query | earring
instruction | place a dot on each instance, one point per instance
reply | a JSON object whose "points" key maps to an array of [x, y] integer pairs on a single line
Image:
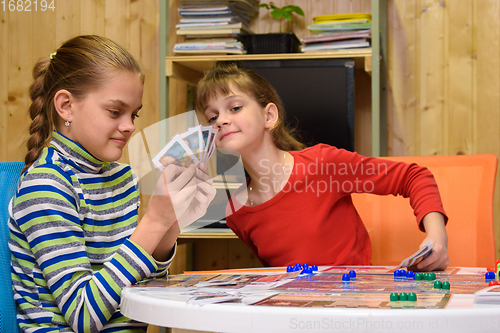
{"points": [[67, 123]]}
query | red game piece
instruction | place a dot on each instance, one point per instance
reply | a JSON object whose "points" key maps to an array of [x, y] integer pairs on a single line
{"points": [[490, 269], [494, 283]]}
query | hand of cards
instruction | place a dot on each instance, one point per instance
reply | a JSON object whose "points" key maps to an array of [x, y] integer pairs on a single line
{"points": [[191, 147], [418, 256]]}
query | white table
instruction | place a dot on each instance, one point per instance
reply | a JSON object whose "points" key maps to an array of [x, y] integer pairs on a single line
{"points": [[153, 307]]}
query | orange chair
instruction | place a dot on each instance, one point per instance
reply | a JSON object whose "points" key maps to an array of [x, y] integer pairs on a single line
{"points": [[466, 184]]}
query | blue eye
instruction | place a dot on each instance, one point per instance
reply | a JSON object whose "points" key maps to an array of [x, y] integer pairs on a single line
{"points": [[211, 120]]}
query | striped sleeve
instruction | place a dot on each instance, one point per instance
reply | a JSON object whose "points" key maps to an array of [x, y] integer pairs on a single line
{"points": [[47, 212]]}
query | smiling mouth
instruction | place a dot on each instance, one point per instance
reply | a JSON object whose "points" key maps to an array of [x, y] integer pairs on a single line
{"points": [[227, 135], [120, 141]]}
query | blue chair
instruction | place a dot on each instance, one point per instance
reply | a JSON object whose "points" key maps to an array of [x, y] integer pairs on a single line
{"points": [[9, 175]]}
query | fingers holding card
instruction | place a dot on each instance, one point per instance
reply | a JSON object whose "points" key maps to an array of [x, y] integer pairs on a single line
{"points": [[175, 152]]}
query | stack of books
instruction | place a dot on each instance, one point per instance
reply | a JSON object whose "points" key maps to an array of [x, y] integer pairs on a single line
{"points": [[339, 31], [213, 26]]}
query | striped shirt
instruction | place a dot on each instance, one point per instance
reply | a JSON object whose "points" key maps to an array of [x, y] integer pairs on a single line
{"points": [[70, 222]]}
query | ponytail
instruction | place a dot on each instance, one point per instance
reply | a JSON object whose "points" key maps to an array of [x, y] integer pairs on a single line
{"points": [[41, 127]]}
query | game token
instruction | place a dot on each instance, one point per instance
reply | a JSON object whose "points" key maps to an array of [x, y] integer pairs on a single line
{"points": [[437, 284], [446, 285], [304, 266], [402, 272], [489, 276], [397, 273], [494, 283], [412, 297], [394, 297], [352, 273], [346, 277], [490, 269], [418, 276], [432, 276], [297, 265], [426, 276], [306, 270], [289, 269], [409, 274], [403, 297], [314, 267]]}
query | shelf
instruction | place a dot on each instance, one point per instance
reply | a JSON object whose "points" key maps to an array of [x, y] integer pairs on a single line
{"points": [[190, 68]]}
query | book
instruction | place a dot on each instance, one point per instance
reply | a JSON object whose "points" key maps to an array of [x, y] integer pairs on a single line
{"points": [[339, 27], [211, 32], [336, 17], [342, 44], [208, 26], [328, 37]]}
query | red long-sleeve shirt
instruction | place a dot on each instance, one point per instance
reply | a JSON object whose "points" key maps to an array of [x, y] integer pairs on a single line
{"points": [[313, 220]]}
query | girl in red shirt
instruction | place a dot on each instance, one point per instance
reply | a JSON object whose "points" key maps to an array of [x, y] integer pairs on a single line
{"points": [[296, 205]]}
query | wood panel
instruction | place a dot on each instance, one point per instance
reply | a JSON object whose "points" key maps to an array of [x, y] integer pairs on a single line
{"points": [[444, 79]]}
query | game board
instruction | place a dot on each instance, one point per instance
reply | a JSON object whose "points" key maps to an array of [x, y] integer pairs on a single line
{"points": [[370, 288]]}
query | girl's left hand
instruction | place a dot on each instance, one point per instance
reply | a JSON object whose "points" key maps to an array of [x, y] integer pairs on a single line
{"points": [[438, 259], [434, 224]]}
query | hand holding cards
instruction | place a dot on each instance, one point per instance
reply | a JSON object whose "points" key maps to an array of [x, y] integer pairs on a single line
{"points": [[418, 256], [189, 187], [191, 147]]}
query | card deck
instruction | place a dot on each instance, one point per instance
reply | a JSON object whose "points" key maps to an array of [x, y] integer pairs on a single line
{"points": [[191, 147], [418, 256]]}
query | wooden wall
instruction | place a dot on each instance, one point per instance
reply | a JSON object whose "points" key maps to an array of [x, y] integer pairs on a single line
{"points": [[28, 36], [444, 79]]}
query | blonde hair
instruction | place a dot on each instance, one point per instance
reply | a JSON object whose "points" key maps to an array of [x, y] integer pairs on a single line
{"points": [[80, 65], [217, 80]]}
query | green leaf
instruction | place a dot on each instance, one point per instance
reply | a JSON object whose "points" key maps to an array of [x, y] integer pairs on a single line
{"points": [[277, 13], [264, 5], [297, 9]]}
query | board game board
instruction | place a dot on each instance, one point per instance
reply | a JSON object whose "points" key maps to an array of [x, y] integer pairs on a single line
{"points": [[371, 287]]}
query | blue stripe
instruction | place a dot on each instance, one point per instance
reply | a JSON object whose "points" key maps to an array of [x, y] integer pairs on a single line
{"points": [[103, 244], [140, 255], [22, 256], [108, 222], [71, 299], [71, 163], [47, 212], [53, 165], [47, 188], [108, 288], [94, 305], [105, 179], [115, 198], [67, 277], [63, 257], [56, 235], [123, 270]]}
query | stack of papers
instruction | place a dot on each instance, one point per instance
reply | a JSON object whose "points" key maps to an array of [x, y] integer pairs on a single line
{"points": [[212, 26], [340, 31]]}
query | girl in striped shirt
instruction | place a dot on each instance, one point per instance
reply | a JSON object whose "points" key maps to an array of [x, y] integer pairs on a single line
{"points": [[75, 237]]}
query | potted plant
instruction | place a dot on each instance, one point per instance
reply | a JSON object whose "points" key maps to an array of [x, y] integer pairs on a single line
{"points": [[282, 42]]}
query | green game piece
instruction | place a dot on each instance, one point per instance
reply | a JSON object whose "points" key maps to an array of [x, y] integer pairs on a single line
{"points": [[446, 285], [432, 276], [412, 297], [403, 297], [437, 285], [418, 276], [425, 276], [394, 297]]}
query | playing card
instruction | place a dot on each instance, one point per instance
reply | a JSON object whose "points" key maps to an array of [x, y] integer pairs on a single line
{"points": [[211, 145], [193, 139], [418, 256], [205, 135], [175, 152]]}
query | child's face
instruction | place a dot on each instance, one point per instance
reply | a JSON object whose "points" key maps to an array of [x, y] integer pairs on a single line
{"points": [[103, 121], [240, 119]]}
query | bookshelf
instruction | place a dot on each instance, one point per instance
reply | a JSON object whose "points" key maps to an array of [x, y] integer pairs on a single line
{"points": [[181, 71]]}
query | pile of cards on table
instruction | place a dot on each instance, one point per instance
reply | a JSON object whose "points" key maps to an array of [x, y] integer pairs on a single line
{"points": [[191, 147]]}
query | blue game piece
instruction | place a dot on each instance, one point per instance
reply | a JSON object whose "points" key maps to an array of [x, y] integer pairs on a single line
{"points": [[314, 267], [305, 266], [289, 269], [306, 270], [297, 265], [352, 273], [397, 273], [409, 275], [296, 269], [489, 276], [402, 272], [346, 277]]}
